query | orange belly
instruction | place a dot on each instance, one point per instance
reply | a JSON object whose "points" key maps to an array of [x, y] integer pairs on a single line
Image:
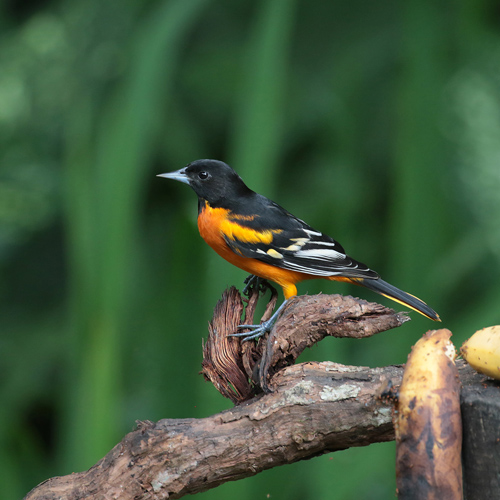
{"points": [[213, 222]]}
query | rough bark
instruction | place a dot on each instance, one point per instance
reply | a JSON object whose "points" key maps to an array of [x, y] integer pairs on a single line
{"points": [[308, 319], [240, 370], [316, 408], [309, 409]]}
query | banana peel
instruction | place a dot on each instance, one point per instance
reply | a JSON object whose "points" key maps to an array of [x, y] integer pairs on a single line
{"points": [[428, 422], [482, 351]]}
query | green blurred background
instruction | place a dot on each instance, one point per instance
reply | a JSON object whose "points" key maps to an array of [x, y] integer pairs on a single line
{"points": [[377, 122]]}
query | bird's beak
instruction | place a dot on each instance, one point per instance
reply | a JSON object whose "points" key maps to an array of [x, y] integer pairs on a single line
{"points": [[178, 175]]}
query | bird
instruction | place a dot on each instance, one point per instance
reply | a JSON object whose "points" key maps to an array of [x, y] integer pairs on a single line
{"points": [[259, 236]]}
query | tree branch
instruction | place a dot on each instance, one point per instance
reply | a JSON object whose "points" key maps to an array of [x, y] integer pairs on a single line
{"points": [[315, 408], [240, 370]]}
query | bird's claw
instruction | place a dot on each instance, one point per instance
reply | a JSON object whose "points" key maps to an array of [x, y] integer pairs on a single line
{"points": [[256, 332], [259, 330]]}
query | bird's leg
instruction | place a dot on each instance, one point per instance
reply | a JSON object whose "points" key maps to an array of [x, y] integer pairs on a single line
{"points": [[259, 330]]}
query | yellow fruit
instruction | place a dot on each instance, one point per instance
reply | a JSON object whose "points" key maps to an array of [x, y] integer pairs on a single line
{"points": [[482, 351], [428, 422]]}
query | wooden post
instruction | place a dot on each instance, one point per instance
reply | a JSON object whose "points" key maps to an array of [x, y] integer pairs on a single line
{"points": [[480, 404]]}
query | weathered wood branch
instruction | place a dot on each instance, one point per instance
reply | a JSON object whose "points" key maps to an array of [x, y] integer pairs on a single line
{"points": [[241, 370], [308, 319], [309, 409], [316, 408]]}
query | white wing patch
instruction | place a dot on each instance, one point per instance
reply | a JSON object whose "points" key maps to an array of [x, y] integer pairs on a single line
{"points": [[326, 243], [310, 270], [320, 254], [311, 232]]}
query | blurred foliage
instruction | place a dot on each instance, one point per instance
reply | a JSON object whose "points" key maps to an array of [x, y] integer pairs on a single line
{"points": [[376, 122]]}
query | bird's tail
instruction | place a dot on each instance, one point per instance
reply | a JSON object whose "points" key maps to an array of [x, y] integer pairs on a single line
{"points": [[393, 293]]}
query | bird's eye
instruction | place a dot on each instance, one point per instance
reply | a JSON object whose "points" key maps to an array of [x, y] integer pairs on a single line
{"points": [[203, 175]]}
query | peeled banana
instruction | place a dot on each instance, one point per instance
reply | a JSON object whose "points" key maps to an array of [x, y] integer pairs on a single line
{"points": [[428, 422], [482, 351]]}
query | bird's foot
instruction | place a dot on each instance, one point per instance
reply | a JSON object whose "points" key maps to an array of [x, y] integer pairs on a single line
{"points": [[259, 330]]}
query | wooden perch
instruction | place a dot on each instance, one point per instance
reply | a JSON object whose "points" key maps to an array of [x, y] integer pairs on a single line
{"points": [[310, 318], [240, 369], [314, 408]]}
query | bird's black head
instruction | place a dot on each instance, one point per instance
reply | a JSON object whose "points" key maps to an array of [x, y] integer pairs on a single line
{"points": [[212, 180]]}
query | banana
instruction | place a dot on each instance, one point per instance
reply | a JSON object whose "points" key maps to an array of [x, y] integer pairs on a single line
{"points": [[428, 422], [482, 351]]}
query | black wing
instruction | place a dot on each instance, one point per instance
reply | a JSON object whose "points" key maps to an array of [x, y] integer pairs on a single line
{"points": [[290, 243]]}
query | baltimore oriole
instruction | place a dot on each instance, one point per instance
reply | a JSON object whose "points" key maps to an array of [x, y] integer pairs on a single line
{"points": [[259, 236]]}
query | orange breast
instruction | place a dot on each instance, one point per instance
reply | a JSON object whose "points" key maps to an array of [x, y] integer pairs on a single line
{"points": [[213, 223]]}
